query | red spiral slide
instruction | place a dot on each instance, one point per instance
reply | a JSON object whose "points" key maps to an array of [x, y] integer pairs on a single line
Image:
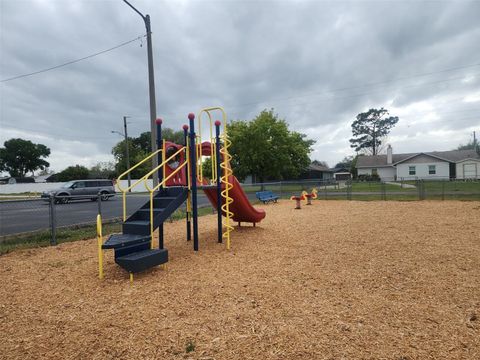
{"points": [[241, 208]]}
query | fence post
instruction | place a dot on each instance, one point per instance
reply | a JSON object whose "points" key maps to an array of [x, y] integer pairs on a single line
{"points": [[443, 189], [384, 191], [349, 190], [99, 202], [53, 221]]}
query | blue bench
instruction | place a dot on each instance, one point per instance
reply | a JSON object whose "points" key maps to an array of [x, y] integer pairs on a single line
{"points": [[266, 196]]}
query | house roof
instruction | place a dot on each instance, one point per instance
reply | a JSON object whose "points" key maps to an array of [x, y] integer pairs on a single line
{"points": [[318, 168], [340, 169], [450, 156]]}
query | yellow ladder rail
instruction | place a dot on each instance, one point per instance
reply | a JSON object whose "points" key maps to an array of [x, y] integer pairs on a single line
{"points": [[213, 154], [225, 165]]}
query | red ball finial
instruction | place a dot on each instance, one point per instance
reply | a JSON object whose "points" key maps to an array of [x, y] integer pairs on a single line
{"points": [[191, 116], [158, 121], [185, 127], [218, 123]]}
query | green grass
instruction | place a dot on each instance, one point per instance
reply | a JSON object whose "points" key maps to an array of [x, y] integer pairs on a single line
{"points": [[41, 239], [74, 233], [465, 186]]}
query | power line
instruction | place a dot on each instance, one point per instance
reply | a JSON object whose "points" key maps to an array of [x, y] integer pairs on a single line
{"points": [[366, 85], [73, 61], [336, 98]]}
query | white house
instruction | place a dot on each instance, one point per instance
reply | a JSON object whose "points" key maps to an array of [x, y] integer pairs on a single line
{"points": [[457, 164]]}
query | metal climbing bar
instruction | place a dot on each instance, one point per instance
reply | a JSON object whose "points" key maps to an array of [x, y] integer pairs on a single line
{"points": [[224, 165], [212, 144]]}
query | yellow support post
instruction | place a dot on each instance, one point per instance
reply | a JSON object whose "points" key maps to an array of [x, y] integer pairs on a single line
{"points": [[151, 219], [131, 277], [198, 144], [99, 245]]}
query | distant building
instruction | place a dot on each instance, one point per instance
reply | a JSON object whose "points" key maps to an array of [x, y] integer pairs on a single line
{"points": [[455, 164], [320, 172], [16, 180]]}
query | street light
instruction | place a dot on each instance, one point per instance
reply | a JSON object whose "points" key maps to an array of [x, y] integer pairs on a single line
{"points": [[125, 134], [151, 87]]}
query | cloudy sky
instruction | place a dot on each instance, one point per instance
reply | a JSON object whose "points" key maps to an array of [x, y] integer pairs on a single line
{"points": [[317, 63]]}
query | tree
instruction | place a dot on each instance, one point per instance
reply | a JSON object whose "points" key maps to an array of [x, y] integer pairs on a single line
{"points": [[20, 156], [139, 148], [320, 163], [346, 162], [353, 167], [266, 149], [472, 145], [370, 128], [76, 172], [207, 168], [103, 170]]}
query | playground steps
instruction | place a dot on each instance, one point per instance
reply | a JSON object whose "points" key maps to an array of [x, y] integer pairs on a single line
{"points": [[165, 202], [142, 260], [132, 248]]}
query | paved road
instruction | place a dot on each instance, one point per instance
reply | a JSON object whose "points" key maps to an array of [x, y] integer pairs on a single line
{"points": [[30, 215]]}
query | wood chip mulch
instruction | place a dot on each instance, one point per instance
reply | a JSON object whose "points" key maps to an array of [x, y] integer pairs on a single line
{"points": [[335, 280]]}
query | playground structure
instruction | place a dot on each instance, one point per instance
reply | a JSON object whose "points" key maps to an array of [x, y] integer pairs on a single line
{"points": [[180, 176], [304, 196], [310, 196]]}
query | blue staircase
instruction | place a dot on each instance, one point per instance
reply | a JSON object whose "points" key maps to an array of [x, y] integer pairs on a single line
{"points": [[132, 248]]}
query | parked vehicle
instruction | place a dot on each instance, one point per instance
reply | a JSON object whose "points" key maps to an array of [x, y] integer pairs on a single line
{"points": [[82, 189]]}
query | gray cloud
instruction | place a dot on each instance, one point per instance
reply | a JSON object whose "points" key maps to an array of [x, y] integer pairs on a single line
{"points": [[312, 61]]}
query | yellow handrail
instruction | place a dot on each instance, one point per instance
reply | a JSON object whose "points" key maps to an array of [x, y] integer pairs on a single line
{"points": [[164, 162], [156, 188], [132, 168], [124, 191]]}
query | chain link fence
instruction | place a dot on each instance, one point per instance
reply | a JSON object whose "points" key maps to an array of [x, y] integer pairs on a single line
{"points": [[48, 218], [439, 189], [51, 218]]}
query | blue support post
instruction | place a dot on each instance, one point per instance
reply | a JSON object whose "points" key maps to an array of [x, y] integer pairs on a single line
{"points": [[189, 227], [193, 175], [159, 146], [160, 174], [219, 180]]}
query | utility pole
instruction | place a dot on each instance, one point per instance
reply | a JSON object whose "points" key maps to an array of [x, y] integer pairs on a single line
{"points": [[126, 151], [151, 87]]}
